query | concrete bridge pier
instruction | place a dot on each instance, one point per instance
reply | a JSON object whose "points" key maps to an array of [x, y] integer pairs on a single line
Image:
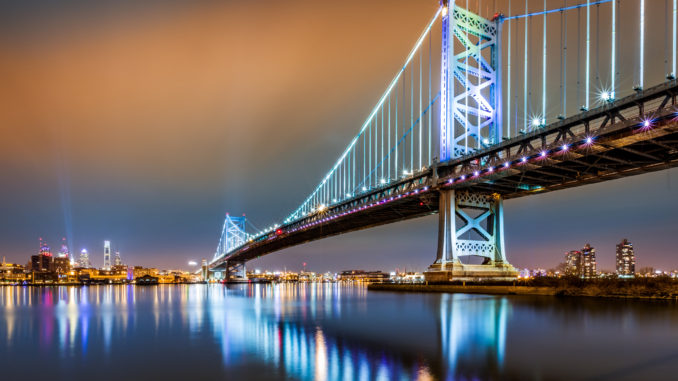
{"points": [[470, 224], [235, 271]]}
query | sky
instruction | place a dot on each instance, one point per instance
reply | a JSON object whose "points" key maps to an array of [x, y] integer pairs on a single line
{"points": [[144, 124]]}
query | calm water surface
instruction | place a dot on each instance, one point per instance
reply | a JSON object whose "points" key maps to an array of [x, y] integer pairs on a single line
{"points": [[327, 332]]}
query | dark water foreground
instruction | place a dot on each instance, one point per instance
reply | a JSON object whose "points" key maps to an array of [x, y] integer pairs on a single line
{"points": [[327, 332]]}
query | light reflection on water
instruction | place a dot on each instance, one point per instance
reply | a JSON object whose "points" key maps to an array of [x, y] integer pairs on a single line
{"points": [[326, 332]]}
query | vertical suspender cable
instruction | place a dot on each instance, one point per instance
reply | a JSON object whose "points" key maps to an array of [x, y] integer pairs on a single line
{"points": [[578, 56], [479, 56], [597, 81], [564, 62], [613, 50], [675, 36], [666, 37], [364, 158], [369, 167], [508, 78], [395, 141], [465, 95], [543, 71], [429, 97], [420, 116], [411, 118], [388, 173], [642, 42], [381, 149], [588, 53], [376, 149], [525, 116]]}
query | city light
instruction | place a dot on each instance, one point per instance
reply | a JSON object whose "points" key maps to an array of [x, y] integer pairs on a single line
{"points": [[606, 96], [543, 154], [476, 173], [507, 164], [564, 147], [523, 159]]}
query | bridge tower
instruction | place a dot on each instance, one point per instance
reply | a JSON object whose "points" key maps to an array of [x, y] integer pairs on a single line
{"points": [[470, 110], [233, 235]]}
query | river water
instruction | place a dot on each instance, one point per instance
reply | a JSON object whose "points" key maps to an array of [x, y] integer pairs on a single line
{"points": [[327, 332]]}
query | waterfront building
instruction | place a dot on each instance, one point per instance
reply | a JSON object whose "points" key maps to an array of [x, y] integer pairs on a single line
{"points": [[83, 261], [588, 262], [140, 271], [62, 265], [581, 263], [43, 262], [626, 259], [107, 255], [11, 273], [573, 263], [363, 276]]}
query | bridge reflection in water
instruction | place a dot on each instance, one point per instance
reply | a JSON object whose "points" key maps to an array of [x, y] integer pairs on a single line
{"points": [[326, 332], [328, 339], [310, 341], [307, 332]]}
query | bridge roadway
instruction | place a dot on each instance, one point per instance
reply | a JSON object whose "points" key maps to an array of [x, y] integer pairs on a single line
{"points": [[633, 135]]}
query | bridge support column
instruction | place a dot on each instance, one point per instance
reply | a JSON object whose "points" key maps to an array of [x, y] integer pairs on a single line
{"points": [[235, 271], [470, 224]]}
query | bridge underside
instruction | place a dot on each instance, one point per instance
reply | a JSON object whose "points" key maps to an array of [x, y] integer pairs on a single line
{"points": [[613, 141]]}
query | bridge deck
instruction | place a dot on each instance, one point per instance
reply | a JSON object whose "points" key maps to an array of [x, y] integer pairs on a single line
{"points": [[634, 135]]}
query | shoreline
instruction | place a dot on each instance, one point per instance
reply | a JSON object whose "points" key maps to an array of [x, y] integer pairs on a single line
{"points": [[553, 291]]}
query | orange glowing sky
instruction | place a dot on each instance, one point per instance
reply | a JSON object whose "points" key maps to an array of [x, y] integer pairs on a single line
{"points": [[144, 124]]}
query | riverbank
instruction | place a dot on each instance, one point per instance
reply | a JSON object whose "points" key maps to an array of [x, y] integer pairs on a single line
{"points": [[639, 288]]}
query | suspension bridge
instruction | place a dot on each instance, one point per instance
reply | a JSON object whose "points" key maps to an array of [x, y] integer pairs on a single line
{"points": [[489, 105]]}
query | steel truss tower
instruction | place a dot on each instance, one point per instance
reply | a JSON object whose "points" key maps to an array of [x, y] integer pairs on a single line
{"points": [[470, 120], [233, 235]]}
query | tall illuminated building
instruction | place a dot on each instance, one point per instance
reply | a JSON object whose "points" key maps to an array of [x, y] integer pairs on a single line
{"points": [[588, 262], [83, 261], [117, 261], [107, 255], [626, 260], [581, 263], [43, 261], [64, 252]]}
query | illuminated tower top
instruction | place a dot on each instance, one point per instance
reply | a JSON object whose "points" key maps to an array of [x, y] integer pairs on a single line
{"points": [[107, 255], [64, 252], [44, 249], [117, 261], [84, 259]]}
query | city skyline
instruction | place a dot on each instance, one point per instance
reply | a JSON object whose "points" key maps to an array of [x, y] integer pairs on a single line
{"points": [[64, 110]]}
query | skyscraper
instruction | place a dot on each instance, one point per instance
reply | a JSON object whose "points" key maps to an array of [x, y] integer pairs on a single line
{"points": [[107, 255], [573, 263], [84, 259], [117, 261], [64, 252], [581, 263], [626, 260], [588, 262]]}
